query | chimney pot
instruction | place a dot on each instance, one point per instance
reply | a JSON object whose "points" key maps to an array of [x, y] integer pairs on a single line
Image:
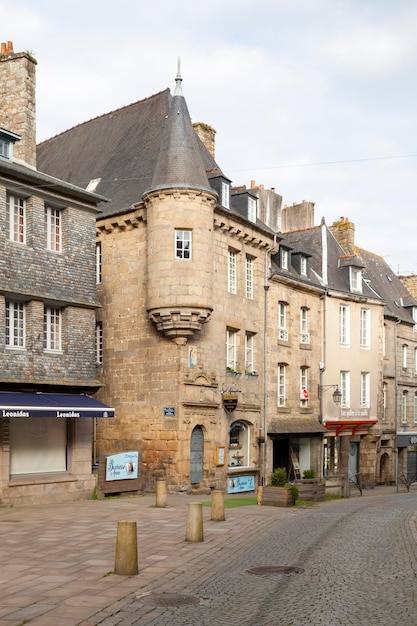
{"points": [[252, 184], [10, 47], [3, 48]]}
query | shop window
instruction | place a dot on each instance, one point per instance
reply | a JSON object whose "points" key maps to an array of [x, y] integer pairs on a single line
{"points": [[38, 446], [239, 445]]}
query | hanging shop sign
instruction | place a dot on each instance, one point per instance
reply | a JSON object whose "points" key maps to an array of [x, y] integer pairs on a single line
{"points": [[230, 401]]}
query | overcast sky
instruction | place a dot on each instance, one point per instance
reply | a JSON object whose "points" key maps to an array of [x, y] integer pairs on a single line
{"points": [[316, 98]]}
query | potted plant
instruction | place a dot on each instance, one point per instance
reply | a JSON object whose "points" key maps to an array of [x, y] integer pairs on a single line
{"points": [[231, 371], [279, 492]]}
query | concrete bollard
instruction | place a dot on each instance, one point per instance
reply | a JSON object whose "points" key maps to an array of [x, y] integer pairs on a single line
{"points": [[194, 531], [217, 506], [126, 560], [161, 493], [260, 490]]}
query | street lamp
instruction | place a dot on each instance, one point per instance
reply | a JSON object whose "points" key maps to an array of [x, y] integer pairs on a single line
{"points": [[337, 394]]}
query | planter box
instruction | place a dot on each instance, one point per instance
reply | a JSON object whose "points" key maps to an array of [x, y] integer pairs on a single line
{"points": [[311, 491], [277, 496]]}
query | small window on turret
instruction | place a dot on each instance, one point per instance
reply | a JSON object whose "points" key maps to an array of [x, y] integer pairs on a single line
{"points": [[183, 241]]}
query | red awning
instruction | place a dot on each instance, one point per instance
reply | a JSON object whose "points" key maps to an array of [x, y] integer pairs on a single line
{"points": [[349, 427]]}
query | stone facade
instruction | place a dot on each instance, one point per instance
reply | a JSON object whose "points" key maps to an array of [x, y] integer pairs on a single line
{"points": [[34, 279]]}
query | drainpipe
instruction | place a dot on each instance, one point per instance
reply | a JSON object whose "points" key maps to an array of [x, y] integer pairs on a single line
{"points": [[265, 363], [396, 401]]}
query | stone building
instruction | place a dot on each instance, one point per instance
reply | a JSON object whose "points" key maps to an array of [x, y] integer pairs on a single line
{"points": [[48, 300], [351, 315], [188, 315], [227, 321]]}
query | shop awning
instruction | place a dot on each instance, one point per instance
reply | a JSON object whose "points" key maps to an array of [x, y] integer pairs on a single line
{"points": [[14, 404], [295, 425], [349, 427]]}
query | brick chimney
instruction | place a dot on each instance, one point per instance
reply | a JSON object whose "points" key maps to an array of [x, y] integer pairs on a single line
{"points": [[18, 101], [207, 135], [344, 232]]}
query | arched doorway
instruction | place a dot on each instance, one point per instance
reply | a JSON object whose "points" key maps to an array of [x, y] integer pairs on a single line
{"points": [[384, 469], [196, 455]]}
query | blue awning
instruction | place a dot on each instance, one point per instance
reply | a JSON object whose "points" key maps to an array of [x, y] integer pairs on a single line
{"points": [[14, 404]]}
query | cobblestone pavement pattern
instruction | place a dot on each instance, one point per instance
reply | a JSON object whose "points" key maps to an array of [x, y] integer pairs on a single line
{"points": [[354, 562]]}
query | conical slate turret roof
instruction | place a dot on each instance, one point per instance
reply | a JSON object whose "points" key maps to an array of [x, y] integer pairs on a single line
{"points": [[180, 162]]}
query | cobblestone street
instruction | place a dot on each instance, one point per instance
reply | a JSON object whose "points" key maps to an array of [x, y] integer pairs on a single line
{"points": [[351, 561]]}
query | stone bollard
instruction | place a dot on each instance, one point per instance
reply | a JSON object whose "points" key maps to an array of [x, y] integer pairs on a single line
{"points": [[161, 493], [194, 531], [217, 506], [126, 560], [260, 490]]}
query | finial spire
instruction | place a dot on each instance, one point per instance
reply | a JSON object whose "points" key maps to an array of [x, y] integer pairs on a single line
{"points": [[178, 79]]}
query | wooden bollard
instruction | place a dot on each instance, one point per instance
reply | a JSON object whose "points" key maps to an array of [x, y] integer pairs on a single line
{"points": [[194, 530], [217, 506], [126, 560], [161, 493]]}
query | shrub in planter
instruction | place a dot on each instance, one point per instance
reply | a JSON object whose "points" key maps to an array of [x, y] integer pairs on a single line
{"points": [[308, 474], [279, 492]]}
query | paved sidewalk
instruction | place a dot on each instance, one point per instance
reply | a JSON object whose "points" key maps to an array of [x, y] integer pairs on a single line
{"points": [[57, 561]]}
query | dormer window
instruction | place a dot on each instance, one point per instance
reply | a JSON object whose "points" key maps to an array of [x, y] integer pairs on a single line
{"points": [[284, 258], [303, 265], [225, 195], [7, 139], [252, 209], [5, 149], [355, 279]]}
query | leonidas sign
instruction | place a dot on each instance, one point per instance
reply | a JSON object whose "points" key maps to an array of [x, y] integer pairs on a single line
{"points": [[230, 401]]}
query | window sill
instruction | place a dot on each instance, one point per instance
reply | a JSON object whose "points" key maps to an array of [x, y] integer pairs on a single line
{"points": [[41, 479]]}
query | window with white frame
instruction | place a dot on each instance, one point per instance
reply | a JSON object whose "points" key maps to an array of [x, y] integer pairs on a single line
{"points": [[384, 402], [252, 202], [225, 193], [52, 329], [365, 391], [415, 408], [249, 353], [16, 218], [5, 148], [282, 384], [99, 343], [98, 263], [304, 334], [404, 357], [183, 244], [284, 258], [345, 389], [344, 325], [231, 349], [239, 439], [404, 407], [15, 324], [53, 228], [355, 279], [365, 328], [303, 265], [304, 386], [249, 277], [232, 271], [282, 321]]}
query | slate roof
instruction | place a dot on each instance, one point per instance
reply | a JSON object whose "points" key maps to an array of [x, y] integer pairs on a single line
{"points": [[122, 149], [387, 284]]}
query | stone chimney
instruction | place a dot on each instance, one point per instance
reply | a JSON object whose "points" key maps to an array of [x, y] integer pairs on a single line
{"points": [[18, 101], [207, 135], [344, 232], [298, 216]]}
